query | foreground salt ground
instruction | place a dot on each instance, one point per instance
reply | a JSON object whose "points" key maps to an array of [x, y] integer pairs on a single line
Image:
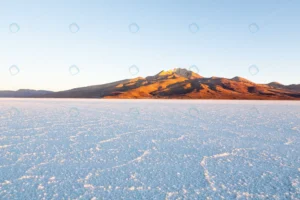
{"points": [[122, 149]]}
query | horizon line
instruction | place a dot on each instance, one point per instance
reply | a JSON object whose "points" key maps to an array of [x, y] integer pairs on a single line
{"points": [[148, 76]]}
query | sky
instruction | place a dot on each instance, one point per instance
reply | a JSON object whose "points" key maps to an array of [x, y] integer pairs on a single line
{"points": [[58, 45]]}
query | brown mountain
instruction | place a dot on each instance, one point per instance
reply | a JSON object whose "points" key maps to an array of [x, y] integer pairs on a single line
{"points": [[182, 84]]}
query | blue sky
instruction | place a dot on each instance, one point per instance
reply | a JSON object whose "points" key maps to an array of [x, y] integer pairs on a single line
{"points": [[103, 49]]}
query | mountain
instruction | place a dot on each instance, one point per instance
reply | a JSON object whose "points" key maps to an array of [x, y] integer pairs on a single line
{"points": [[24, 93], [294, 87], [286, 87], [181, 84]]}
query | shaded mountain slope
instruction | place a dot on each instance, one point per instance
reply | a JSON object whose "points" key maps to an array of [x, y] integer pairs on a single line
{"points": [[96, 91], [292, 87]]}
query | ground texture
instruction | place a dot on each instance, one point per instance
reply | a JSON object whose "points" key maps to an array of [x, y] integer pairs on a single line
{"points": [[147, 149]]}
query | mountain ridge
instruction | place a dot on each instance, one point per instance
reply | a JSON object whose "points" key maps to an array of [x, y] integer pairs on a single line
{"points": [[177, 83]]}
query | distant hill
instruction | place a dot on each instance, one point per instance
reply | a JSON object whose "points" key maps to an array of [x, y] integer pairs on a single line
{"points": [[287, 87], [24, 93], [174, 84]]}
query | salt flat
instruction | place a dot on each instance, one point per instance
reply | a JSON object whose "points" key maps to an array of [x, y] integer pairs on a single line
{"points": [[149, 149]]}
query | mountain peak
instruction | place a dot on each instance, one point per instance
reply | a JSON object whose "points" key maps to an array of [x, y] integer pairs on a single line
{"points": [[180, 72], [275, 83], [165, 73], [240, 79]]}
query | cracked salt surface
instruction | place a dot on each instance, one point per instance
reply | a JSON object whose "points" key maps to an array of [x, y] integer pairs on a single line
{"points": [[228, 151]]}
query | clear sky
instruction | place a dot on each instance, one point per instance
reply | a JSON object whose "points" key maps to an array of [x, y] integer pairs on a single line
{"points": [[222, 38]]}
